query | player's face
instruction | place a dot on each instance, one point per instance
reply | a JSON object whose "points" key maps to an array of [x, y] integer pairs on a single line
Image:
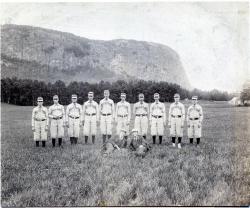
{"points": [[39, 103], [176, 99], [91, 97], [194, 101], [135, 134], [122, 134], [55, 100], [123, 97], [106, 94], [141, 98], [74, 100], [156, 97]]}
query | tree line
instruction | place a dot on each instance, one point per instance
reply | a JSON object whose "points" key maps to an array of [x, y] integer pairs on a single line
{"points": [[25, 91]]}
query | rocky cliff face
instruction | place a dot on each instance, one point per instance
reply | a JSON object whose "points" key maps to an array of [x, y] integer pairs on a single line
{"points": [[37, 53]]}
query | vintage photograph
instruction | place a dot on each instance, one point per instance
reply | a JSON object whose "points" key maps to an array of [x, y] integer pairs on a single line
{"points": [[125, 104]]}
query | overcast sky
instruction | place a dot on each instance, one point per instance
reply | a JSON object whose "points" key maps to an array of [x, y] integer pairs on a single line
{"points": [[211, 38]]}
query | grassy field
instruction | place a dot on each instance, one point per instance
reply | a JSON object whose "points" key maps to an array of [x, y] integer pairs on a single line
{"points": [[216, 173]]}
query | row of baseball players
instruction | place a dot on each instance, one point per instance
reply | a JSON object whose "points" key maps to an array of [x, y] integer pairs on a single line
{"points": [[91, 113]]}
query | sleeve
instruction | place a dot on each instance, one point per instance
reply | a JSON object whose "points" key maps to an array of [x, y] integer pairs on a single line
{"points": [[113, 110], [169, 114], [97, 112], [150, 111], [129, 111], [63, 113], [134, 108], [67, 114], [83, 112], [183, 114], [50, 112], [47, 116], [33, 118], [201, 114], [164, 112], [116, 111], [188, 114], [100, 109]]}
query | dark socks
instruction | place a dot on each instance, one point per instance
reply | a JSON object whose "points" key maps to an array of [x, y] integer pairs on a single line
{"points": [[71, 140], [59, 141], [43, 143], [160, 139], [109, 136], [198, 140], [86, 139], [191, 140], [154, 138], [103, 138], [144, 137], [76, 138], [93, 139], [53, 142], [173, 139], [179, 140], [37, 143]]}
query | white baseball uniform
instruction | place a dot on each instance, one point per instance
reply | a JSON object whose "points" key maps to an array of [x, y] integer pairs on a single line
{"points": [[107, 113], [157, 118], [194, 121], [122, 116], [57, 119], [176, 119], [73, 118], [141, 111], [39, 122], [90, 115]]}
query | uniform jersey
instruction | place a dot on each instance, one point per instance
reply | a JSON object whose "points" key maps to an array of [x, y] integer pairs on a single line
{"points": [[57, 116], [106, 107], [39, 122]]}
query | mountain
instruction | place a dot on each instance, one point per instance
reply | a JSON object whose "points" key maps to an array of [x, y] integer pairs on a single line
{"points": [[43, 54]]}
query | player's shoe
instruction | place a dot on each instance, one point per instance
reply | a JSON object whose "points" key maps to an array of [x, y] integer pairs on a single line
{"points": [[173, 144], [179, 146]]}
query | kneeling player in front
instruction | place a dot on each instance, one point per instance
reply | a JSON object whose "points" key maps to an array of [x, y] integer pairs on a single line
{"points": [[194, 121], [40, 123]]}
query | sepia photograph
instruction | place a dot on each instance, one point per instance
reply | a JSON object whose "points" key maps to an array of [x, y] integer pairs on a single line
{"points": [[125, 103]]}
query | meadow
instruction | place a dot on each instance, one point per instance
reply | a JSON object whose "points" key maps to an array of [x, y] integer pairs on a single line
{"points": [[216, 173]]}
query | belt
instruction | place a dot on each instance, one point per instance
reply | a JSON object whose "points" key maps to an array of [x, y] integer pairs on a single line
{"points": [[122, 115], [40, 119], [106, 114], [156, 116], [140, 114], [178, 116], [74, 117], [58, 118], [193, 119], [93, 114]]}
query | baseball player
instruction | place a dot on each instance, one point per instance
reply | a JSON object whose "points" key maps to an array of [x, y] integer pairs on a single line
{"points": [[123, 115], [138, 144], [141, 111], [57, 120], [90, 116], [107, 114], [40, 122], [176, 120], [157, 118], [194, 120], [73, 119]]}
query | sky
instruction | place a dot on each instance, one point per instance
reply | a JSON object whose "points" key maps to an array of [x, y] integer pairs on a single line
{"points": [[212, 39]]}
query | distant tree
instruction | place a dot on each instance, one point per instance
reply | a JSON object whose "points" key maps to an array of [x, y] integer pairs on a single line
{"points": [[245, 95]]}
